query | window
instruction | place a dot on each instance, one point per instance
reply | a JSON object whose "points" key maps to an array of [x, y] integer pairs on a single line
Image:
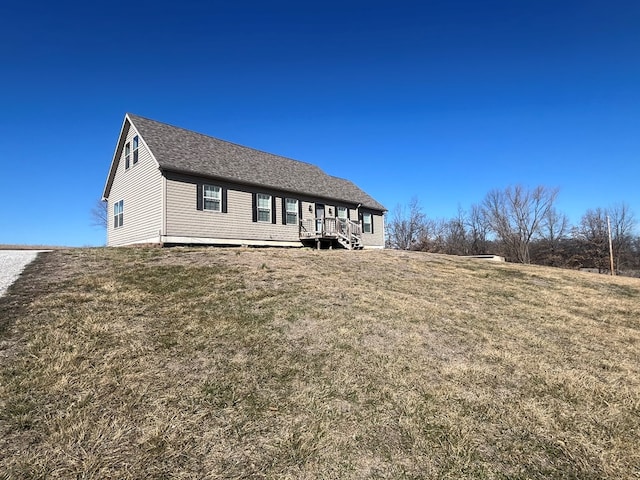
{"points": [[135, 149], [127, 155], [367, 223], [342, 212], [212, 198], [118, 214], [291, 212], [264, 207]]}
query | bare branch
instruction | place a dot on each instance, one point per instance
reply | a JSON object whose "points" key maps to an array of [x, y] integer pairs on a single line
{"points": [[515, 215], [99, 214]]}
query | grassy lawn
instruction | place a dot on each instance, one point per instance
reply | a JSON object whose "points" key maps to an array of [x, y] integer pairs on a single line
{"points": [[274, 363]]}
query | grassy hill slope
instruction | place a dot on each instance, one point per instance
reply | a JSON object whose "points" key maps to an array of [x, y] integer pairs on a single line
{"points": [[237, 363]]}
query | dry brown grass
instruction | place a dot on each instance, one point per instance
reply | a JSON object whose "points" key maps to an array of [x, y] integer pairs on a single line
{"points": [[238, 363]]}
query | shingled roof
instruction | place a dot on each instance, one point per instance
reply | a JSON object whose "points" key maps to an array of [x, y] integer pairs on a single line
{"points": [[180, 150]]}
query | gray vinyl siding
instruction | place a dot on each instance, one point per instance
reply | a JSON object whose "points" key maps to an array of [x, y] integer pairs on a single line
{"points": [[375, 239], [140, 188], [306, 206], [329, 210], [185, 220]]}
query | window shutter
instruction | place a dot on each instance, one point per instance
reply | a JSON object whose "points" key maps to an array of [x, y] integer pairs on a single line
{"points": [[371, 217], [199, 197], [299, 211], [284, 211], [273, 209], [224, 199], [254, 206]]}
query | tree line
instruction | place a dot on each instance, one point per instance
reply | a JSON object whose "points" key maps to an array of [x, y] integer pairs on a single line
{"points": [[523, 225]]}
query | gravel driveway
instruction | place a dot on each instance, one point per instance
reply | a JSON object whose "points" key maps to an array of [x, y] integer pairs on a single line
{"points": [[12, 262]]}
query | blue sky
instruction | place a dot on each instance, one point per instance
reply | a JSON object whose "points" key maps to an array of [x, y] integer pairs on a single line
{"points": [[443, 100]]}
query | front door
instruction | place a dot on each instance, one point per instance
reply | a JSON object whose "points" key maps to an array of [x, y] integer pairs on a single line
{"points": [[319, 217]]}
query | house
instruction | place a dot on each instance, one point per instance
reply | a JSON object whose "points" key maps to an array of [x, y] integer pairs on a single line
{"points": [[172, 186]]}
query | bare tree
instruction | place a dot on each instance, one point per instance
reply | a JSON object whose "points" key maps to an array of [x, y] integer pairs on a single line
{"points": [[406, 226], [515, 215], [99, 214], [457, 235], [464, 234], [622, 225], [433, 237], [478, 228], [592, 236], [554, 229], [635, 257]]}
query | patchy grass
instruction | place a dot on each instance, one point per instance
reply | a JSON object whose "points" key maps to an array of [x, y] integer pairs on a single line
{"points": [[250, 363]]}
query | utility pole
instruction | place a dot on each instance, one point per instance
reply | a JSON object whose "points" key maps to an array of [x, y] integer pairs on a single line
{"points": [[613, 272]]}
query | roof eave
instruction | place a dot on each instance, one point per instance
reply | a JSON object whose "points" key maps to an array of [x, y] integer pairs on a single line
{"points": [[116, 155]]}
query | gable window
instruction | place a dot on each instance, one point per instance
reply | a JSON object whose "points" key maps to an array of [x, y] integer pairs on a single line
{"points": [[212, 198], [263, 207], [118, 214], [127, 155], [342, 212], [291, 212], [135, 149], [367, 223]]}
